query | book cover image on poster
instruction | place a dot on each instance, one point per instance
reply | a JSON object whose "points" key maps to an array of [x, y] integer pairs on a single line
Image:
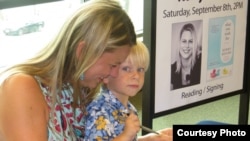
{"points": [[220, 47]]}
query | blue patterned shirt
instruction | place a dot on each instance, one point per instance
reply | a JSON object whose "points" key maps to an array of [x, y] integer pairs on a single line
{"points": [[105, 117]]}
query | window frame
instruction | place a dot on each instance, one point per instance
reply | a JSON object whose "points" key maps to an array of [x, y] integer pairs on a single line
{"points": [[4, 4]]}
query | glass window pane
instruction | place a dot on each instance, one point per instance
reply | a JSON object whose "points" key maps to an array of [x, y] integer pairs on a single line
{"points": [[134, 9], [25, 30]]}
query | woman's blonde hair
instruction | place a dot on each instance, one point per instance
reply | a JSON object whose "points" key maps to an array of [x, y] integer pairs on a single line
{"points": [[101, 24]]}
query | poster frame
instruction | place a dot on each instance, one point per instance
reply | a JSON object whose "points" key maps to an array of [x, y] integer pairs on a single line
{"points": [[148, 98]]}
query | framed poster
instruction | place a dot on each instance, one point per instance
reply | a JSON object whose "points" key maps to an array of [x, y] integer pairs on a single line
{"points": [[200, 48]]}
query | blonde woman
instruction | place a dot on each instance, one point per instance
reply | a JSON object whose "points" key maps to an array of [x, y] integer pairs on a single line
{"points": [[44, 98], [185, 71]]}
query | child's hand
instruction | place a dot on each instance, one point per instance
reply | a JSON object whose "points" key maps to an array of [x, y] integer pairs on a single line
{"points": [[132, 125]]}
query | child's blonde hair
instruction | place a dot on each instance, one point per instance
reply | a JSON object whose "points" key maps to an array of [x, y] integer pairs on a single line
{"points": [[139, 55]]}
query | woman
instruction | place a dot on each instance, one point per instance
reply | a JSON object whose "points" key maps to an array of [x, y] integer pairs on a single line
{"points": [[185, 71], [44, 98]]}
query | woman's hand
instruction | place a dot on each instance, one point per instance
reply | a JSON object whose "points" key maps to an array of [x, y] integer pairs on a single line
{"points": [[164, 135]]}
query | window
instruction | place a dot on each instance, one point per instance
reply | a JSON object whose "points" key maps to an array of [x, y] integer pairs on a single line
{"points": [[25, 29], [134, 9]]}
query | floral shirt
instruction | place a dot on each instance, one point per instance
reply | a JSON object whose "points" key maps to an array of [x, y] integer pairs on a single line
{"points": [[105, 117], [66, 124]]}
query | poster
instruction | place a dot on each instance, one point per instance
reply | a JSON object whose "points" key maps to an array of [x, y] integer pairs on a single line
{"points": [[220, 47], [200, 50]]}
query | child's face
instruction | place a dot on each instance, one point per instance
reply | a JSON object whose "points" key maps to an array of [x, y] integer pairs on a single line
{"points": [[129, 80]]}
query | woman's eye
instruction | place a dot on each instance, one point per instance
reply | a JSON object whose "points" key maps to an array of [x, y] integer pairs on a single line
{"points": [[114, 66], [184, 41]]}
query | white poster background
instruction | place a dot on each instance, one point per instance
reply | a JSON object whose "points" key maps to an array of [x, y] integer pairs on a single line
{"points": [[166, 99]]}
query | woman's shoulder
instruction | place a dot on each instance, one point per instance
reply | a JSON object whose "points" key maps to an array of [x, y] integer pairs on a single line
{"points": [[20, 77], [23, 87], [173, 66], [19, 81]]}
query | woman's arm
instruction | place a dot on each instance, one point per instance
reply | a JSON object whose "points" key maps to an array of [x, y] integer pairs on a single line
{"points": [[23, 110]]}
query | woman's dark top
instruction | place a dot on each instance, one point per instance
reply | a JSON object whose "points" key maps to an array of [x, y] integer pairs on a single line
{"points": [[194, 76]]}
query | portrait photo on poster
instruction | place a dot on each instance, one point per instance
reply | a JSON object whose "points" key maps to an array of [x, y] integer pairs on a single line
{"points": [[186, 54]]}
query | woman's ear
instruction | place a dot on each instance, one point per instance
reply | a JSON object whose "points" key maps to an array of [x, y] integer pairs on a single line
{"points": [[79, 48]]}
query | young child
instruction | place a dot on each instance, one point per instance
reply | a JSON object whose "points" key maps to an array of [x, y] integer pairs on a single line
{"points": [[111, 116]]}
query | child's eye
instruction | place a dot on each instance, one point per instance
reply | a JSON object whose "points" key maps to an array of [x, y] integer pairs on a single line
{"points": [[141, 69], [127, 69]]}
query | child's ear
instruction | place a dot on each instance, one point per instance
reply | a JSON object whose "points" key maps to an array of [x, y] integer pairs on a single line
{"points": [[79, 49]]}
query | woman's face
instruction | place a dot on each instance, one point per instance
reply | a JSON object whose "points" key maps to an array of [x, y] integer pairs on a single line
{"points": [[107, 65], [186, 45]]}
